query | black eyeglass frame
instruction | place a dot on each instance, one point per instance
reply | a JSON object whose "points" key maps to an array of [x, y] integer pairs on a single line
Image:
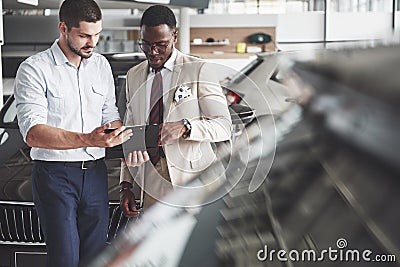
{"points": [[158, 47]]}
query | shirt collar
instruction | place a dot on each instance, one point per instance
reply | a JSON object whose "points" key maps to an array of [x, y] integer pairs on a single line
{"points": [[58, 54], [60, 58], [170, 63]]}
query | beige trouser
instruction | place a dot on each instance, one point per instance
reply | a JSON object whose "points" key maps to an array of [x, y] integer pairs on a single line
{"points": [[154, 187]]}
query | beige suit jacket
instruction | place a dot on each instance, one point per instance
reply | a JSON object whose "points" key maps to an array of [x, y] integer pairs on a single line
{"points": [[206, 110]]}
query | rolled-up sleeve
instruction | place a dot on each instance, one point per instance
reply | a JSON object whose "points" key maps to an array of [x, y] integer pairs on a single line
{"points": [[30, 97]]}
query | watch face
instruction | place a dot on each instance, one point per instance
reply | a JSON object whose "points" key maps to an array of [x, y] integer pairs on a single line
{"points": [[188, 126]]}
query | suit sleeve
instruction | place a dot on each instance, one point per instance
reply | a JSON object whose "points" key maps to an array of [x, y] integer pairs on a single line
{"points": [[215, 123]]}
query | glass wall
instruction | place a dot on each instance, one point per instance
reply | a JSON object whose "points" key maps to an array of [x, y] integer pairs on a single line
{"points": [[305, 21], [361, 5], [295, 6], [359, 19], [264, 6]]}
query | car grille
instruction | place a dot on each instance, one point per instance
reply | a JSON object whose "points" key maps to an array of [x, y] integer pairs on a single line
{"points": [[19, 223], [118, 222]]}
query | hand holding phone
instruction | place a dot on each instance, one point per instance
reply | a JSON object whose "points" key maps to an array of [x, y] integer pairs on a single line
{"points": [[109, 130]]}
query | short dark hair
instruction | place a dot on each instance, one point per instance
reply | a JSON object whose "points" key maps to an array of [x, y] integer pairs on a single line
{"points": [[72, 12], [157, 15]]}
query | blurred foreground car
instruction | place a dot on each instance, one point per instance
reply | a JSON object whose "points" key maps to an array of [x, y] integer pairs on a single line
{"points": [[331, 197]]}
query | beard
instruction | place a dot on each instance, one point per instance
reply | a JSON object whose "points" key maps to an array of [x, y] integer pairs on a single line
{"points": [[78, 51]]}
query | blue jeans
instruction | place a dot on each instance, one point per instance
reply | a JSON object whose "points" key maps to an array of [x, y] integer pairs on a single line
{"points": [[72, 205]]}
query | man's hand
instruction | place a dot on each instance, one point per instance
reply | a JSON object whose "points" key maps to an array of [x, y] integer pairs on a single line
{"points": [[98, 138], [127, 201], [170, 131], [136, 158], [49, 137]]}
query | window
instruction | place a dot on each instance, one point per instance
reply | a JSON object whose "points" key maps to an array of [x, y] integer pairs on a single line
{"points": [[295, 6], [264, 6], [361, 5], [245, 72]]}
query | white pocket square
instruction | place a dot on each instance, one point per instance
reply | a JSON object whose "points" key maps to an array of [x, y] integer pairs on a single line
{"points": [[182, 92]]}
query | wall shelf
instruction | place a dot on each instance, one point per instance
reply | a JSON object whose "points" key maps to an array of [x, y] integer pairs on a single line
{"points": [[229, 37], [210, 43]]}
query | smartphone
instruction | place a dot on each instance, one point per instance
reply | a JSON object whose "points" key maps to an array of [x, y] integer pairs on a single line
{"points": [[109, 130]]}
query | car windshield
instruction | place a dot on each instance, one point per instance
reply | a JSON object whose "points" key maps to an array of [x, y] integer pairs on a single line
{"points": [[8, 114], [11, 113], [239, 76]]}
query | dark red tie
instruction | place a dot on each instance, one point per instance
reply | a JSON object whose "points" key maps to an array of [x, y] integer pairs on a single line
{"points": [[156, 109]]}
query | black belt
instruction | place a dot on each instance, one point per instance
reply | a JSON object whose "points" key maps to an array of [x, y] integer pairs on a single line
{"points": [[83, 165]]}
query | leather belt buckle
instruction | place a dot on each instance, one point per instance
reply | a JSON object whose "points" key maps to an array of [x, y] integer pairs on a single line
{"points": [[83, 167]]}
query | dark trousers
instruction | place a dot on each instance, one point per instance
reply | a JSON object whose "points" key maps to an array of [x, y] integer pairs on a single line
{"points": [[72, 205]]}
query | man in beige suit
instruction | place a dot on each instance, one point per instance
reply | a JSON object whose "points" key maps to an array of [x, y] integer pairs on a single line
{"points": [[194, 112]]}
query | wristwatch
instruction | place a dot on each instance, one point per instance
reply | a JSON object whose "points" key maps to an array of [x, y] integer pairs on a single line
{"points": [[188, 126], [125, 186]]}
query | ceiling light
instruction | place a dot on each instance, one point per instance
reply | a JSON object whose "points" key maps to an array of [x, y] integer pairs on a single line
{"points": [[29, 2], [165, 2]]}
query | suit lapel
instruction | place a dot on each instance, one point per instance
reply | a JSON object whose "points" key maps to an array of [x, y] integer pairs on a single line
{"points": [[142, 78], [137, 95], [175, 82]]}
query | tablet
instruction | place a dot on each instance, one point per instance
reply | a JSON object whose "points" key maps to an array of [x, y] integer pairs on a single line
{"points": [[145, 137]]}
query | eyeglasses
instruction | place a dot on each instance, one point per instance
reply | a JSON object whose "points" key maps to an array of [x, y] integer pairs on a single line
{"points": [[159, 48]]}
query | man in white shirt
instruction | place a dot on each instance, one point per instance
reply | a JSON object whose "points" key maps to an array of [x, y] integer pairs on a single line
{"points": [[65, 100]]}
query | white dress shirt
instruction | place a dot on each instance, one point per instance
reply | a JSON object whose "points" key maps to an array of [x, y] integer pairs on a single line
{"points": [[50, 90], [166, 74]]}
